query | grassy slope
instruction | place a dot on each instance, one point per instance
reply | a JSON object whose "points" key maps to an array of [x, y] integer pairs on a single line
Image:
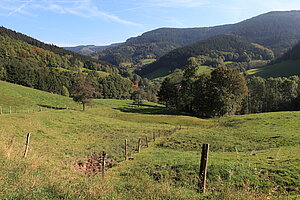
{"points": [[252, 156], [201, 70], [22, 98], [162, 72], [286, 68]]}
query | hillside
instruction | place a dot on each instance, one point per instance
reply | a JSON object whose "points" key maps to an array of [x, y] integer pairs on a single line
{"points": [[251, 156], [85, 49], [21, 98], [28, 62], [291, 54], [282, 69], [275, 30], [212, 52], [286, 65], [278, 30], [55, 49], [88, 50]]}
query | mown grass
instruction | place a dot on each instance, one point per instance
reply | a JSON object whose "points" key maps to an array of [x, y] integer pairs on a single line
{"points": [[204, 69], [285, 68], [251, 156], [147, 61]]}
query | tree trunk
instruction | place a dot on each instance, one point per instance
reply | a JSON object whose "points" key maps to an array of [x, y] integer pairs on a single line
{"points": [[83, 106]]}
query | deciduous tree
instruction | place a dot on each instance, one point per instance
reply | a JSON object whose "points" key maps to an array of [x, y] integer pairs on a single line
{"points": [[83, 91]]}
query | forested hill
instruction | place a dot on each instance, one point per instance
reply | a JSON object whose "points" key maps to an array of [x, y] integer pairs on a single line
{"points": [[275, 30], [278, 30], [55, 71], [213, 51], [156, 43], [292, 54], [89, 50], [178, 36], [86, 49], [53, 48], [286, 65]]}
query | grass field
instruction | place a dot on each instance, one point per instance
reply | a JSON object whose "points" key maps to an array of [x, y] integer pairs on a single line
{"points": [[147, 61], [205, 69], [286, 68], [21, 99], [201, 70], [251, 156], [162, 72]]}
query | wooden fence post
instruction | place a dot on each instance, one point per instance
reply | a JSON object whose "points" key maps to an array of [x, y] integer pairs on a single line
{"points": [[139, 145], [104, 156], [154, 137], [147, 142], [203, 168], [27, 145], [125, 150]]}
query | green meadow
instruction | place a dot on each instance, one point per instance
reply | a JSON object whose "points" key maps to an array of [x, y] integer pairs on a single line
{"points": [[251, 156], [285, 68]]}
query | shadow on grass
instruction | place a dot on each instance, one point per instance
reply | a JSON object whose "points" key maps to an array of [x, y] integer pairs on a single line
{"points": [[52, 107], [148, 109]]}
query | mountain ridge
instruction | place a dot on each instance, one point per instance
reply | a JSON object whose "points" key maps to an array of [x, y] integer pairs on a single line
{"points": [[277, 30]]}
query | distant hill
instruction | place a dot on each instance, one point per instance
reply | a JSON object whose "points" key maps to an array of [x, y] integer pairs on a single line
{"points": [[88, 50], [212, 52], [286, 65], [85, 49], [29, 62], [291, 54], [53, 48], [278, 30], [275, 30]]}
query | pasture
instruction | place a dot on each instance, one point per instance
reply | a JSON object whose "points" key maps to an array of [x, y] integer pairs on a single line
{"points": [[251, 156]]}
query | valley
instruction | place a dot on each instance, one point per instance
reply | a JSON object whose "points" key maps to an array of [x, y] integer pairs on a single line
{"points": [[129, 120]]}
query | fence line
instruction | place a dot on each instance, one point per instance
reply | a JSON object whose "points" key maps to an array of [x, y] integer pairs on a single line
{"points": [[30, 109], [105, 154]]}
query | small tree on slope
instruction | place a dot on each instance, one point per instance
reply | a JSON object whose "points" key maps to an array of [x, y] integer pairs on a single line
{"points": [[83, 91]]}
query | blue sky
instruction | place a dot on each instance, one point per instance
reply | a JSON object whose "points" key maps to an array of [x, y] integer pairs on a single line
{"points": [[101, 22]]}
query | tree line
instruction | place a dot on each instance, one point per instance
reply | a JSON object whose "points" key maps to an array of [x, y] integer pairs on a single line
{"points": [[225, 92]]}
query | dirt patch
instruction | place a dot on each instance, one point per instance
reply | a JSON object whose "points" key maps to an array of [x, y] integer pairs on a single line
{"points": [[92, 165]]}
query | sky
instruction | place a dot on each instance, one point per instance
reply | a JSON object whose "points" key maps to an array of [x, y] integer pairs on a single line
{"points": [[103, 22]]}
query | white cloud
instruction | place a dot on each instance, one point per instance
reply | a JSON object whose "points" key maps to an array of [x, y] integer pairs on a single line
{"points": [[19, 9]]}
